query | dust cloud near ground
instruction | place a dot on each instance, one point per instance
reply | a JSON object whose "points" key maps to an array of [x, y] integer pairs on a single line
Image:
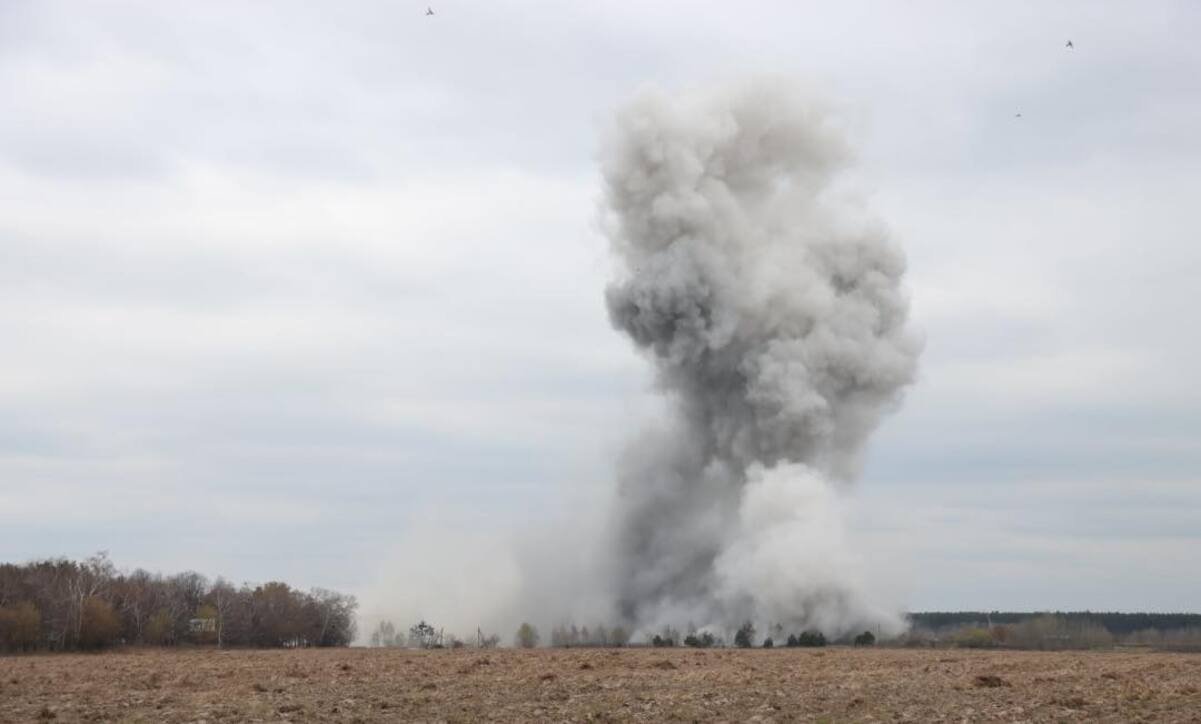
{"points": [[833, 684]]}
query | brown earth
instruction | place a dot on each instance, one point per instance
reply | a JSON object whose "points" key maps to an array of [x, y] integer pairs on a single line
{"points": [[833, 684]]}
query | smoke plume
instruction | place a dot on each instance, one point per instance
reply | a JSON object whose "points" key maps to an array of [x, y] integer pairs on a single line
{"points": [[771, 305]]}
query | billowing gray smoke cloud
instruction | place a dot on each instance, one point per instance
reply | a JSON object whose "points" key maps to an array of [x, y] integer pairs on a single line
{"points": [[772, 307]]}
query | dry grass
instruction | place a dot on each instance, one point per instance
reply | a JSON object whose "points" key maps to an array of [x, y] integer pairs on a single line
{"points": [[833, 685]]}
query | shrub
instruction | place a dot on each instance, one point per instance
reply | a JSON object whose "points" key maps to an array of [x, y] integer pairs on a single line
{"points": [[867, 638], [974, 638], [662, 641], [98, 625], [526, 636], [745, 635], [768, 643], [160, 629], [811, 638], [20, 627]]}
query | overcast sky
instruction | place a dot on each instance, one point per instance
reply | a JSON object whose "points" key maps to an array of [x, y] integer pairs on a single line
{"points": [[282, 283]]}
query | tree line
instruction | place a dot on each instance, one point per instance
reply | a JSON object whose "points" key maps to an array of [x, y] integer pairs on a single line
{"points": [[1117, 624], [423, 635], [63, 605], [1054, 631], [746, 637]]}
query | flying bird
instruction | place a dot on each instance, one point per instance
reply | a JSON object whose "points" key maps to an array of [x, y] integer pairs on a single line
{"points": [[1069, 45], [429, 11]]}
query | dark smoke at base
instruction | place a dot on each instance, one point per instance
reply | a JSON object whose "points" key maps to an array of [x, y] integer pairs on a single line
{"points": [[772, 308]]}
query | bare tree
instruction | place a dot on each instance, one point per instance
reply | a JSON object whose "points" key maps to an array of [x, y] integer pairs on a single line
{"points": [[335, 615], [424, 636], [90, 579], [223, 597], [384, 634]]}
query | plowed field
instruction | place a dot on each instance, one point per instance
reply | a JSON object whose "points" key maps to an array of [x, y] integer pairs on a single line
{"points": [[833, 684]]}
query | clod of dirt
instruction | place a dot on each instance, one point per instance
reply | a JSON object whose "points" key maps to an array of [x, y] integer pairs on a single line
{"points": [[345, 667], [429, 686], [259, 688], [289, 708], [187, 682], [585, 666], [1110, 675], [46, 714], [663, 664], [548, 677], [1073, 702], [990, 681], [475, 664]]}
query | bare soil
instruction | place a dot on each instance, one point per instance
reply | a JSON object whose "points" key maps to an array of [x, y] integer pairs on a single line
{"points": [[372, 685]]}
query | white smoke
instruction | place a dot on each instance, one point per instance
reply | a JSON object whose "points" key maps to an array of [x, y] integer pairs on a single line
{"points": [[770, 303], [787, 560], [772, 308]]}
